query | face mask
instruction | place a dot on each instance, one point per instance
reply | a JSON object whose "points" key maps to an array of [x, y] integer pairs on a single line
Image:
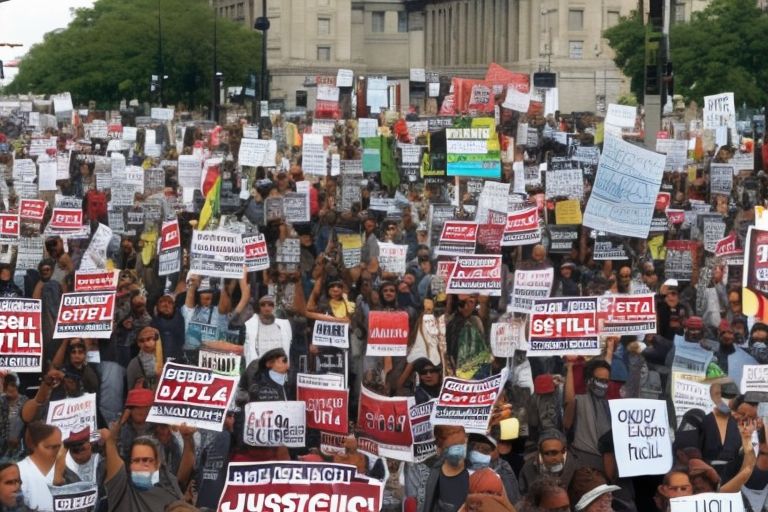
{"points": [[599, 389], [278, 377], [144, 480], [551, 469], [455, 454], [479, 460], [723, 408], [555, 468]]}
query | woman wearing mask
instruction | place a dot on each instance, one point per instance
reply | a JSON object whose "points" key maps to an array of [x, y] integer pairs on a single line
{"points": [[720, 439], [11, 497], [448, 484]]}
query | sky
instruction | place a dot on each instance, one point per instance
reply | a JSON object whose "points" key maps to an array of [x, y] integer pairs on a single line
{"points": [[27, 21]]}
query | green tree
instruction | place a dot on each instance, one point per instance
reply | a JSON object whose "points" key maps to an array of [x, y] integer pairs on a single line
{"points": [[109, 52], [722, 49]]}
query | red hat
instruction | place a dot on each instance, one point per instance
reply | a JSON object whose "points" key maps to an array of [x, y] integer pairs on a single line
{"points": [[544, 384], [725, 326], [140, 398], [694, 322], [78, 437]]}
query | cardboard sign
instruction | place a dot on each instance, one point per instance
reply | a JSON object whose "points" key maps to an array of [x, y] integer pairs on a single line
{"points": [[85, 314], [73, 414], [96, 280], [299, 487], [564, 326], [275, 424], [256, 254], [476, 274], [642, 445], [32, 209], [216, 254], [457, 238], [708, 501], [66, 219], [720, 110], [622, 116], [530, 285], [327, 408], [468, 402], [169, 255], [21, 336], [522, 228], [624, 194], [626, 314], [193, 396], [387, 333], [331, 334], [386, 421]]}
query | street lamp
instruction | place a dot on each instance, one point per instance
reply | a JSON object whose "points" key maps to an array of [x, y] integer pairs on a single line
{"points": [[262, 24]]}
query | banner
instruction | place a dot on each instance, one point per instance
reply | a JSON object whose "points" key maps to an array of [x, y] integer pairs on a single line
{"points": [[458, 238], [564, 326], [507, 337], [224, 363], [688, 394], [476, 274], [624, 194], [387, 333], [73, 415], [386, 421], [280, 423], [468, 403], [331, 334], [256, 255], [641, 441], [392, 257], [66, 219], [299, 487], [169, 249], [85, 314], [21, 335], [474, 152], [192, 395], [618, 315], [755, 276], [75, 497], [327, 408], [216, 254], [708, 501], [96, 280], [32, 209], [10, 228], [522, 227], [424, 445], [754, 378], [728, 248], [530, 285], [679, 262]]}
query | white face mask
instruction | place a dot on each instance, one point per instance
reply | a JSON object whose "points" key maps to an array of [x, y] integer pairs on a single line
{"points": [[278, 377]]}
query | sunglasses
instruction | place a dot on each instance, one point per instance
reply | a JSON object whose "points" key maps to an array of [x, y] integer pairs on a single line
{"points": [[142, 460]]}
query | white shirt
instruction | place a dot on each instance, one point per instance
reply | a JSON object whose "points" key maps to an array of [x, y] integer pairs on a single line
{"points": [[34, 485]]}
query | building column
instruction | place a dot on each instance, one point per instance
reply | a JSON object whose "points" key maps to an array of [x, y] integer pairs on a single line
{"points": [[523, 30], [512, 23]]}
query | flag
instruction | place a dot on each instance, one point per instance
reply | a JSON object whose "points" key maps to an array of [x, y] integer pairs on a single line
{"points": [[211, 205]]}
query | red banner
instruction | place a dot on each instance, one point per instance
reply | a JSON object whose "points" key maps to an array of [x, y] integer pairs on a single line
{"points": [[32, 209], [21, 336], [728, 246], [564, 326], [522, 227], [10, 227], [98, 280], [476, 274], [195, 396], [170, 237], [626, 314], [386, 421], [67, 219], [299, 487], [326, 408], [387, 333], [458, 237], [86, 314], [256, 255]]}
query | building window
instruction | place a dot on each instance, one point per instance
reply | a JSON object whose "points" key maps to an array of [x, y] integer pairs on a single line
{"points": [[612, 19], [402, 21], [322, 2], [575, 20], [324, 53], [377, 21], [575, 49], [679, 13], [323, 26], [241, 10]]}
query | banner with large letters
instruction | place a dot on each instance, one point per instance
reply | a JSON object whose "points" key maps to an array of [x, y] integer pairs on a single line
{"points": [[21, 332], [564, 326]]}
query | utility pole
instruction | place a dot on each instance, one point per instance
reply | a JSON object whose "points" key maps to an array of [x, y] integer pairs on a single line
{"points": [[656, 31], [262, 24], [215, 81], [161, 70]]}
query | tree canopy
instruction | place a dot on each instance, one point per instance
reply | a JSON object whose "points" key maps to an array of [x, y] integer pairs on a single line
{"points": [[109, 52], [722, 49]]}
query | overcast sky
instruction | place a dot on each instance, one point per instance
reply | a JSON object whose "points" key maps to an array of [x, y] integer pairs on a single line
{"points": [[27, 21]]}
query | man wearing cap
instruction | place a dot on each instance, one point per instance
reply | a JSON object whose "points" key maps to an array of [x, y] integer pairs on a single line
{"points": [[83, 461], [265, 332], [482, 453], [550, 460], [134, 420], [590, 492]]}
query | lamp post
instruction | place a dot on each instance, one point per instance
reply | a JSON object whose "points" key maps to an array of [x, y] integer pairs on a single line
{"points": [[161, 74], [262, 24]]}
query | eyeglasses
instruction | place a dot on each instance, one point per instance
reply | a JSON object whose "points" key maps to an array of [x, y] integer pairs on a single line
{"points": [[427, 371], [142, 460]]}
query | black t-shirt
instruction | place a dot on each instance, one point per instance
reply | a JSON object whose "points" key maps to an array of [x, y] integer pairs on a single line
{"points": [[452, 491]]}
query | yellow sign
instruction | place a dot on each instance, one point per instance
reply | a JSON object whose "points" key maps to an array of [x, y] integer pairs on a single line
{"points": [[568, 212]]}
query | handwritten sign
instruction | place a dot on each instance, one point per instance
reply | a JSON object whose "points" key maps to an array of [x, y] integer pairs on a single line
{"points": [[708, 501], [641, 436]]}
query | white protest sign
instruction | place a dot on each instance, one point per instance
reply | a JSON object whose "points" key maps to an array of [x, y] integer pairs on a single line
{"points": [[162, 114], [641, 440], [530, 285], [392, 257], [256, 152], [327, 93], [506, 337], [344, 78], [62, 102], [330, 334], [217, 254], [189, 169], [516, 100], [754, 377], [367, 128], [282, 423], [95, 256], [73, 414], [708, 502], [622, 116], [689, 395], [720, 110], [320, 380], [314, 157]]}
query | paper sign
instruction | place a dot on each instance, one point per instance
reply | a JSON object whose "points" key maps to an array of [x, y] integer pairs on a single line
{"points": [[522, 227], [85, 314], [275, 424], [73, 414], [217, 254], [708, 501], [468, 402], [385, 421], [641, 440], [516, 100], [330, 334], [530, 285], [476, 274], [720, 110], [564, 326], [568, 212], [622, 116], [21, 333], [327, 408], [387, 333]]}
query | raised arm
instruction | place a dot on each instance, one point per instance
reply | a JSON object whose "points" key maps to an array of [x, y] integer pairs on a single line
{"points": [[570, 395], [31, 407], [187, 464], [748, 465], [111, 454]]}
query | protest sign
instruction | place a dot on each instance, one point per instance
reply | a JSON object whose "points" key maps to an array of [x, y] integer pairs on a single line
{"points": [[256, 152], [690, 359], [66, 219], [506, 337], [424, 445], [326, 408], [10, 228], [387, 333], [680, 259], [320, 380], [74, 414], [85, 314], [754, 378], [314, 157], [720, 110], [194, 396], [29, 253], [288, 251], [568, 212], [626, 314], [522, 227], [755, 274], [225, 363], [622, 116], [564, 326], [720, 179], [489, 236], [351, 248], [96, 280], [169, 249], [641, 440], [712, 227], [708, 502], [330, 334], [275, 424], [392, 257], [561, 238], [21, 336], [688, 394], [528, 286], [492, 195], [624, 194], [162, 114], [386, 422], [95, 257], [468, 402], [676, 152], [476, 274], [256, 254], [299, 487], [728, 247], [565, 183], [296, 207], [75, 497], [32, 209], [189, 169], [475, 151], [216, 254], [457, 238]]}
